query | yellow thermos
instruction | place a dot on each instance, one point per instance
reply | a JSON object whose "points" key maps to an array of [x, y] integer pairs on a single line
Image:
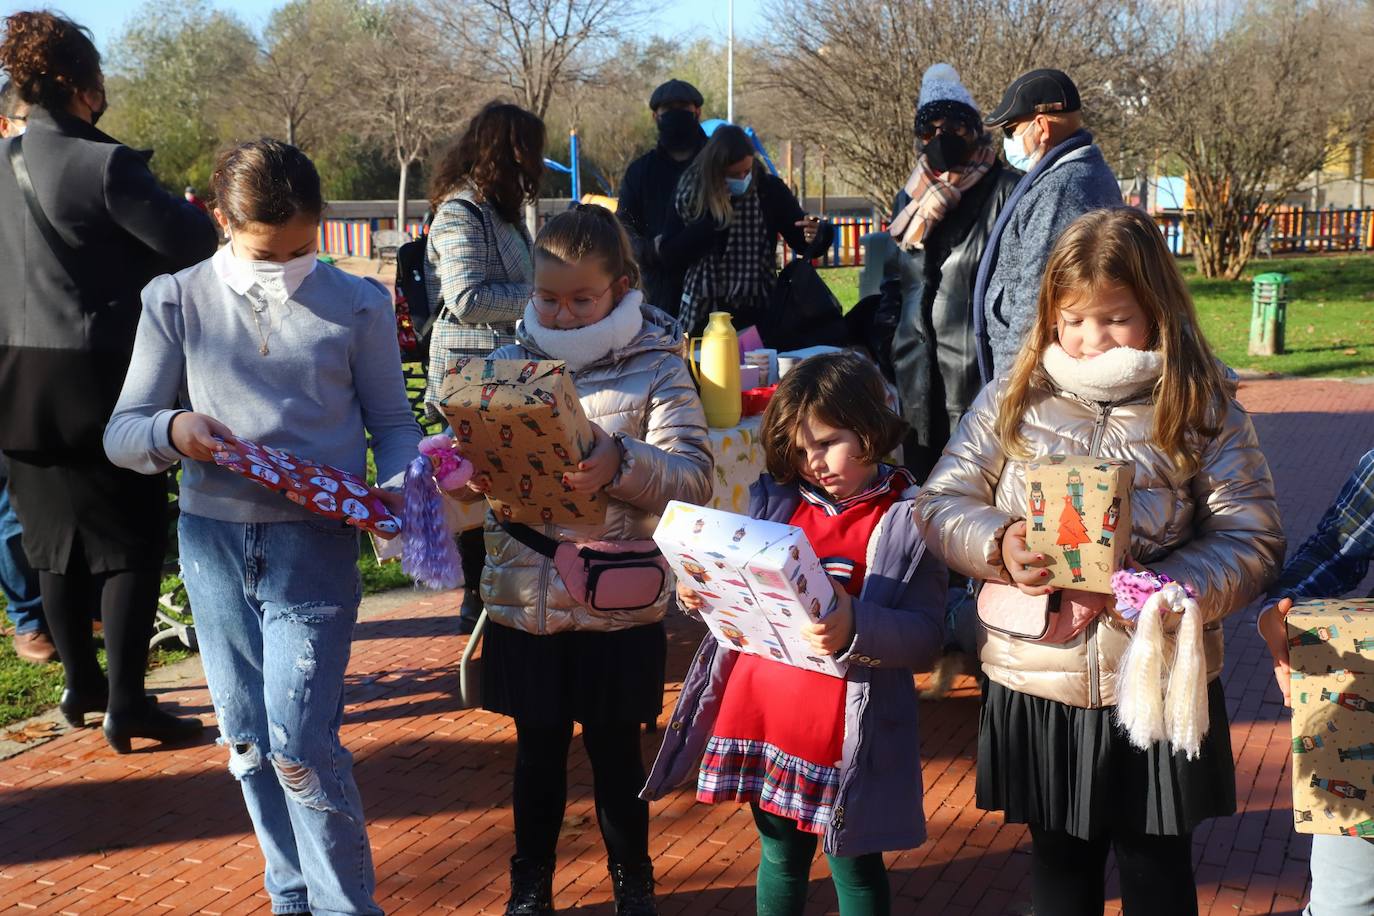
{"points": [[718, 372]]}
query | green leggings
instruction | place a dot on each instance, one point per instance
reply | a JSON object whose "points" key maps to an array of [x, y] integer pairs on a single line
{"points": [[785, 872]]}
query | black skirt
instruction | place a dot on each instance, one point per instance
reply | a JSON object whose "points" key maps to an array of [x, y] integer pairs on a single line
{"points": [[577, 676], [79, 511], [1064, 768]]}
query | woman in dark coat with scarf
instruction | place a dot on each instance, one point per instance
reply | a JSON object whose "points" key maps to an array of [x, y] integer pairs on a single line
{"points": [[723, 232], [941, 221], [83, 227]]}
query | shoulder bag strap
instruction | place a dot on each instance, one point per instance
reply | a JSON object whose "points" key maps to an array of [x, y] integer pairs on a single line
{"points": [[538, 542], [64, 253]]}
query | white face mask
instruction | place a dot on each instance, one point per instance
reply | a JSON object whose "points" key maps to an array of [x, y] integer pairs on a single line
{"points": [[1015, 150], [278, 279]]}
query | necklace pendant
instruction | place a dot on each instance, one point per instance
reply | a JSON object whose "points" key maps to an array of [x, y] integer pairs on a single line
{"points": [[263, 349]]}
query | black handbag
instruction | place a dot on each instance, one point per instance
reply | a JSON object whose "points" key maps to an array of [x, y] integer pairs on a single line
{"points": [[803, 312]]}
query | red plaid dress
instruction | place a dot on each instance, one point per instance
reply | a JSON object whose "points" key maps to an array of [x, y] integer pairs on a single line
{"points": [[779, 736]]}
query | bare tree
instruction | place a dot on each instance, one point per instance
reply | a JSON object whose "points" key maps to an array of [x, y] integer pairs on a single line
{"points": [[1253, 102], [409, 89], [304, 66], [848, 72], [533, 48]]}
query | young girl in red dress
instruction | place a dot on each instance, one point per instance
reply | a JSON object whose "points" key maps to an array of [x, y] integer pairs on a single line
{"points": [[817, 756]]}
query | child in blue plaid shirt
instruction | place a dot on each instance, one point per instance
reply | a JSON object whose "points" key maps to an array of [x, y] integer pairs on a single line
{"points": [[1332, 562]]}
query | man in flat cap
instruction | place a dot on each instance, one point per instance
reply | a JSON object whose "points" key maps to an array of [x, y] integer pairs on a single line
{"points": [[1066, 176], [650, 183]]}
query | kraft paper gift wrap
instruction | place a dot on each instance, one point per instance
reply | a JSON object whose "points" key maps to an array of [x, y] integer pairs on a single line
{"points": [[521, 424], [760, 581], [1078, 513], [1331, 648]]}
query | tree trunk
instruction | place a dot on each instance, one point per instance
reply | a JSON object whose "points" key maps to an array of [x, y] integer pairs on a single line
{"points": [[401, 197]]}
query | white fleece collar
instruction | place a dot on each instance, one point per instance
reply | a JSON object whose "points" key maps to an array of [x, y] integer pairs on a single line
{"points": [[1111, 377], [580, 347]]}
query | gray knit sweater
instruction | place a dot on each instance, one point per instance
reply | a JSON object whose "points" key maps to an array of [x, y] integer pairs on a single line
{"points": [[332, 374]]}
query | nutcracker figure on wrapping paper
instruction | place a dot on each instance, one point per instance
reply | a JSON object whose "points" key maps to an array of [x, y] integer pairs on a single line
{"points": [[1109, 522], [1076, 490], [532, 425], [527, 372], [1305, 743], [547, 399], [1340, 788], [1364, 828], [488, 392], [1314, 636], [562, 453], [536, 462], [1362, 752], [1037, 505], [1351, 701], [1072, 536], [507, 435], [526, 486], [465, 432]]}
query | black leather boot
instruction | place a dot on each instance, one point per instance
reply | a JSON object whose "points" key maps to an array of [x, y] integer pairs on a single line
{"points": [[531, 887], [634, 889]]}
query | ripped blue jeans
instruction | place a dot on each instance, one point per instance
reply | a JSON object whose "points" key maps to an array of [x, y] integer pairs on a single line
{"points": [[274, 605]]}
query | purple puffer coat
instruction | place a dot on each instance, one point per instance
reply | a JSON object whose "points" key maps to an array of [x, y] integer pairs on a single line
{"points": [[898, 629]]}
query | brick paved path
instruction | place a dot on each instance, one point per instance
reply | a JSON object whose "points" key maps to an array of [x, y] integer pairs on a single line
{"points": [[84, 831]]}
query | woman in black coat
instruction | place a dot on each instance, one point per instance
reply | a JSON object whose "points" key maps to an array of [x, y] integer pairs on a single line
{"points": [[83, 227], [722, 233]]}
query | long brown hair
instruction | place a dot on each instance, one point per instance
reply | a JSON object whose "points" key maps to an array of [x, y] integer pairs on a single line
{"points": [[1122, 247], [704, 179], [589, 231], [842, 390], [500, 155], [49, 58]]}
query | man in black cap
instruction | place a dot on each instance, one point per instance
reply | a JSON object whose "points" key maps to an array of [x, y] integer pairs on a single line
{"points": [[650, 183], [1066, 176]]}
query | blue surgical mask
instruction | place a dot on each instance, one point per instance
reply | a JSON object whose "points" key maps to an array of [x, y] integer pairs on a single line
{"points": [[1017, 157], [738, 186]]}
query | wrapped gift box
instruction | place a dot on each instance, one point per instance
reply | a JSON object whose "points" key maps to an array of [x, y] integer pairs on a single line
{"points": [[319, 488], [1078, 513], [521, 424], [1331, 647], [760, 581]]}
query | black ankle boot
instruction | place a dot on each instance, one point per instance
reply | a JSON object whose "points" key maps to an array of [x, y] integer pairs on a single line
{"points": [[634, 889], [531, 887], [147, 721]]}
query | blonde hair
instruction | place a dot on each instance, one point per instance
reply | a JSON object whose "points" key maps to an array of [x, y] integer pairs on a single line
{"points": [[704, 179], [1123, 247]]}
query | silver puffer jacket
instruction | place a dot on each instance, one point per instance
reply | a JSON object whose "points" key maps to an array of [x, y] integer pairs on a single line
{"points": [[644, 396], [1217, 530]]}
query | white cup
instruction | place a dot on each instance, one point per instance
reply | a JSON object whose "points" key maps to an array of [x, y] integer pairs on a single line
{"points": [[785, 365], [749, 377]]}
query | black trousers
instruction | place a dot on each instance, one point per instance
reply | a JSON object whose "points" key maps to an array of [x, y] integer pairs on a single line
{"points": [[1068, 875], [541, 789], [472, 551]]}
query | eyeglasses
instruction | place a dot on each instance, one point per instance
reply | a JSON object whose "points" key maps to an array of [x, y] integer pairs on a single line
{"points": [[580, 306]]}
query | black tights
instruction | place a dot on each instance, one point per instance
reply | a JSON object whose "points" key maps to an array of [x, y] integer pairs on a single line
{"points": [[1068, 875], [541, 789], [127, 600]]}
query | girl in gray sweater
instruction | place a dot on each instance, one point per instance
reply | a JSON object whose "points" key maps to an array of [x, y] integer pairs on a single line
{"points": [[264, 342]]}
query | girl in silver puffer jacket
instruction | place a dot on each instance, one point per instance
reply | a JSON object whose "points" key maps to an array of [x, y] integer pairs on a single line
{"points": [[548, 661], [1116, 367]]}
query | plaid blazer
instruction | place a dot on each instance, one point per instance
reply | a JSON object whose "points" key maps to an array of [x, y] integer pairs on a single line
{"points": [[479, 273]]}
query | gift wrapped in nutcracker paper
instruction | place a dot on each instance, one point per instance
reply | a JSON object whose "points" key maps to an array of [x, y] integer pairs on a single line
{"points": [[1078, 513], [759, 582], [521, 425], [1331, 650]]}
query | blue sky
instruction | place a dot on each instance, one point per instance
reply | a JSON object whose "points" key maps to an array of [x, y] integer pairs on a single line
{"points": [[678, 18]]}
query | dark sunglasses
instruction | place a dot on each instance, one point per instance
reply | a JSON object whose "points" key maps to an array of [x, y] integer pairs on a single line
{"points": [[927, 135]]}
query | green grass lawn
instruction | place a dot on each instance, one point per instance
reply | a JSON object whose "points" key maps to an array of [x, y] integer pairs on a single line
{"points": [[1330, 329]]}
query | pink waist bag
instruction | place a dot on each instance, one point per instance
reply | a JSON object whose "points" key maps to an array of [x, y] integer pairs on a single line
{"points": [[606, 577], [1046, 618]]}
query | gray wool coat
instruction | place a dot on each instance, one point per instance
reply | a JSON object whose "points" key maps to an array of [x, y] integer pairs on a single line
{"points": [[1080, 182]]}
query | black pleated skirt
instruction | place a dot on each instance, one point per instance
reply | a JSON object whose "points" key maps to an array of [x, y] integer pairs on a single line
{"points": [[578, 676], [78, 510], [1070, 769]]}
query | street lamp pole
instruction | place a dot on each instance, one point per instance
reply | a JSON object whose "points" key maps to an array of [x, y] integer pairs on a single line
{"points": [[730, 69]]}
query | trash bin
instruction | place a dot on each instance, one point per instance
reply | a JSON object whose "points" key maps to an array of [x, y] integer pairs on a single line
{"points": [[1269, 313]]}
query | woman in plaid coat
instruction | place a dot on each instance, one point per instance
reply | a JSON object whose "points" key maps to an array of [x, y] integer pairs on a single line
{"points": [[479, 266]]}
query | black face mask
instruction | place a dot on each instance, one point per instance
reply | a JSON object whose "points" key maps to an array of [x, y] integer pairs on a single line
{"points": [[678, 130], [104, 107], [947, 151]]}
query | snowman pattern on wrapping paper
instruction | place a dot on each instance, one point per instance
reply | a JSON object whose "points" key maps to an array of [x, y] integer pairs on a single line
{"points": [[318, 488]]}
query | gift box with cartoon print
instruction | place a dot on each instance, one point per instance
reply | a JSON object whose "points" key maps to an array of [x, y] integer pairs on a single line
{"points": [[1078, 513], [521, 425], [760, 581], [1331, 649]]}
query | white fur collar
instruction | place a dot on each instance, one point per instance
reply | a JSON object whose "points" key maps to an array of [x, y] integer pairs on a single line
{"points": [[1113, 376], [580, 347]]}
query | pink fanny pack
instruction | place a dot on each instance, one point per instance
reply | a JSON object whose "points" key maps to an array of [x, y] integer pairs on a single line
{"points": [[606, 577], [1046, 618]]}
